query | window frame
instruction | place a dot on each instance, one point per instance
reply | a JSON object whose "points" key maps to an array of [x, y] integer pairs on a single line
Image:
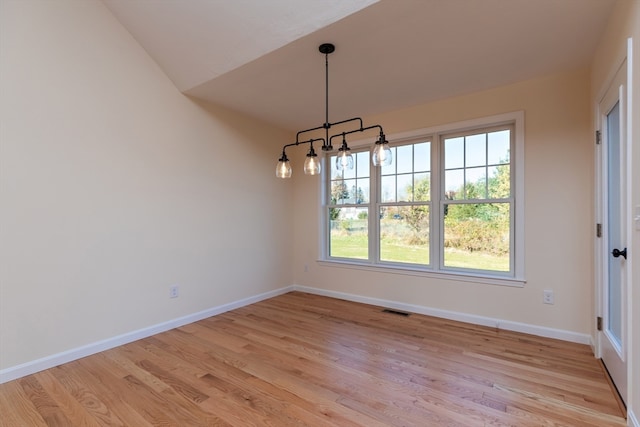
{"points": [[436, 269], [326, 206], [442, 201], [378, 204]]}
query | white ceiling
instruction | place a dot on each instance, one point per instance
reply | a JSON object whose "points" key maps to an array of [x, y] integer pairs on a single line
{"points": [[261, 57]]}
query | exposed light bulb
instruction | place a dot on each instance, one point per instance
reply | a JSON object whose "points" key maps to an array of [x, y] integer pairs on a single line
{"points": [[312, 163], [344, 160], [283, 169], [381, 154]]}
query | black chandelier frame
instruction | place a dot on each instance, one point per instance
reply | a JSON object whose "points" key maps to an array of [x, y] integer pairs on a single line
{"points": [[326, 49]]}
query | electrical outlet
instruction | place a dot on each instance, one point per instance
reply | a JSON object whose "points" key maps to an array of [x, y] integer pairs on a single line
{"points": [[547, 297], [174, 291], [306, 268]]}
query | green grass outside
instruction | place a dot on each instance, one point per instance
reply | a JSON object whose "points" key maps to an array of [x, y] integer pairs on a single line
{"points": [[355, 246], [475, 260], [350, 246], [399, 252]]}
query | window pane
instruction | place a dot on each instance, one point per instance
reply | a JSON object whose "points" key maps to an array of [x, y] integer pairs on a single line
{"points": [[362, 164], [404, 158], [499, 143], [476, 150], [453, 182], [499, 182], [421, 187], [476, 187], [350, 185], [388, 190], [390, 169], [477, 236], [405, 187], [357, 191], [339, 193], [404, 234], [348, 236], [348, 173], [335, 173], [362, 192], [453, 153], [422, 157]]}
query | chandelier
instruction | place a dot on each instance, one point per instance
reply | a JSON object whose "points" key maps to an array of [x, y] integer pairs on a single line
{"points": [[381, 155]]}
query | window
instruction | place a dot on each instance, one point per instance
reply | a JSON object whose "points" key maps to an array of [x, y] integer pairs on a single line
{"points": [[446, 205], [348, 208], [405, 205], [476, 212]]}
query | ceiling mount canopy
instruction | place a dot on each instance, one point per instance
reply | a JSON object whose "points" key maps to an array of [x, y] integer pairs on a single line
{"points": [[326, 48], [381, 155]]}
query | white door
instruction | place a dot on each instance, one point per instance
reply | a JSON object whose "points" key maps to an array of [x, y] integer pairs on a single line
{"points": [[613, 173]]}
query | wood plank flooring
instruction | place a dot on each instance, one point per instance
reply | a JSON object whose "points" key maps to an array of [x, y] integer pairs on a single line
{"points": [[307, 360]]}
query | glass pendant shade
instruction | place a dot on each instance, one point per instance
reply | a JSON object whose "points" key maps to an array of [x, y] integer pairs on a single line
{"points": [[381, 153], [312, 164], [283, 169], [344, 160]]}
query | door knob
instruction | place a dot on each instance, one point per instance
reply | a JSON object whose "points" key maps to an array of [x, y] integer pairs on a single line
{"points": [[617, 252]]}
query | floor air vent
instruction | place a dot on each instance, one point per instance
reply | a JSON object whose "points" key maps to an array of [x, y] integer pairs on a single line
{"points": [[399, 313]]}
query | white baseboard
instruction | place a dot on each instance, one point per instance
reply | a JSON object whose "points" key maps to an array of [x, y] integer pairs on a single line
{"points": [[632, 420], [34, 366], [453, 315]]}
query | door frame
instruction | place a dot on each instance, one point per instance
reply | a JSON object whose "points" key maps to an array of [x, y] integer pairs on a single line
{"points": [[601, 251]]}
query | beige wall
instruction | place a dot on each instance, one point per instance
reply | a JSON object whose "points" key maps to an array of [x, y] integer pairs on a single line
{"points": [[559, 224], [624, 23], [113, 186]]}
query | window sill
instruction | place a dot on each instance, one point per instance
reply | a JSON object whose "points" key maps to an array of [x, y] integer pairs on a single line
{"points": [[422, 272]]}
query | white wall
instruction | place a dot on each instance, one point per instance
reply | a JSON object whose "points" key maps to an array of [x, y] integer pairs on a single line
{"points": [[113, 186], [558, 204]]}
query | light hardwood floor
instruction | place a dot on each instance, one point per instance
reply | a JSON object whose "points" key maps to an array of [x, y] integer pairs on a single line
{"points": [[307, 360]]}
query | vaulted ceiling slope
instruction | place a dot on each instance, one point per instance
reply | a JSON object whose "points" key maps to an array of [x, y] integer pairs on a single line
{"points": [[261, 57]]}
